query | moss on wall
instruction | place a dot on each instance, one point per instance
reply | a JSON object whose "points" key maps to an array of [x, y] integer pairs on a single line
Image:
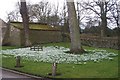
{"points": [[36, 26]]}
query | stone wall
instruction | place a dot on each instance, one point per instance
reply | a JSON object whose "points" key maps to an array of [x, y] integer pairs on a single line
{"points": [[0, 36], [4, 36], [47, 36], [43, 36], [106, 42], [3, 29], [15, 39], [96, 41], [36, 36]]}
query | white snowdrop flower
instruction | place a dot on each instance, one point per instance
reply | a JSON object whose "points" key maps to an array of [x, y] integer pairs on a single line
{"points": [[94, 60], [110, 58], [84, 62], [73, 67], [79, 63], [52, 54]]}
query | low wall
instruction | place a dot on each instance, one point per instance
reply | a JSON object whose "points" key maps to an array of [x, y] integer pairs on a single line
{"points": [[105, 42], [96, 41]]}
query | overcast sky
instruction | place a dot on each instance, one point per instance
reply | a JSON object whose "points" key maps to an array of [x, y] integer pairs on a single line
{"points": [[9, 5]]}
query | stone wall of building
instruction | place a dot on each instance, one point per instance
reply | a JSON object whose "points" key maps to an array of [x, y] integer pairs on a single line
{"points": [[43, 36], [3, 32], [0, 37], [36, 36], [15, 39]]}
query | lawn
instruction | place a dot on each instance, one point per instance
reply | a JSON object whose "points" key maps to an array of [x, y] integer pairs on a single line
{"points": [[103, 69]]}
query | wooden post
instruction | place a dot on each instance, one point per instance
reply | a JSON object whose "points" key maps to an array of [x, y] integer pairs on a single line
{"points": [[18, 61], [54, 69]]}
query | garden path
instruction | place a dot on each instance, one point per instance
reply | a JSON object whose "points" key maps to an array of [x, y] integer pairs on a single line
{"points": [[8, 75]]}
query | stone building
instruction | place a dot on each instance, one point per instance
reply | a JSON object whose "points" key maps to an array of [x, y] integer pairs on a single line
{"points": [[3, 30], [39, 33]]}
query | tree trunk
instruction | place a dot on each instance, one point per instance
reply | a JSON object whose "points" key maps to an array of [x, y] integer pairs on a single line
{"points": [[74, 29], [25, 19], [104, 26], [103, 8], [118, 19]]}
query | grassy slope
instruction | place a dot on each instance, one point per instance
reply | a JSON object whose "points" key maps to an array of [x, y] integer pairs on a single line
{"points": [[104, 69]]}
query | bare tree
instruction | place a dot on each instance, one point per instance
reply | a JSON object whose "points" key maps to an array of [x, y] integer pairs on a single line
{"points": [[118, 13], [74, 29], [81, 12], [115, 11], [101, 9], [44, 12], [40, 11], [65, 25], [25, 18], [14, 15]]}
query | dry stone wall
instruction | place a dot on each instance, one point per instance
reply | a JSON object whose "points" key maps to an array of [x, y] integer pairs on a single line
{"points": [[106, 42]]}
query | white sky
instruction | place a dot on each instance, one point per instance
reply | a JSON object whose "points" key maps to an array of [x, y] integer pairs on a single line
{"points": [[9, 5]]}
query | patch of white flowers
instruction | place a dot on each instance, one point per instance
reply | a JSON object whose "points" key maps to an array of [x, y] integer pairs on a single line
{"points": [[57, 54]]}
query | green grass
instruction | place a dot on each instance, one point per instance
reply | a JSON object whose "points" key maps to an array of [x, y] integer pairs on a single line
{"points": [[104, 69], [8, 47]]}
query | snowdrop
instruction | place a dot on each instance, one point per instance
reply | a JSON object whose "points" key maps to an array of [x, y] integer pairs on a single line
{"points": [[57, 54]]}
